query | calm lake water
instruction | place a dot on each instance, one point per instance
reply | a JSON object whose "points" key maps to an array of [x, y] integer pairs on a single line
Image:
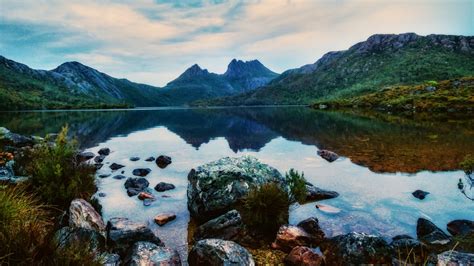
{"points": [[383, 160]]}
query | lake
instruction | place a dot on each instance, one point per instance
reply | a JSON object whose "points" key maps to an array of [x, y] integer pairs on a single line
{"points": [[384, 158]]}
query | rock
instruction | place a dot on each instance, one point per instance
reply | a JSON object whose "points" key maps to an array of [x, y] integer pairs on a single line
{"points": [[102, 194], [104, 151], [328, 155], [68, 236], [311, 226], [290, 236], [164, 218], [119, 177], [227, 227], [215, 187], [430, 88], [405, 247], [327, 208], [150, 159], [141, 171], [420, 194], [357, 248], [148, 202], [430, 234], [219, 252], [83, 215], [8, 138], [99, 158], [314, 193], [123, 233], [162, 161], [104, 175], [98, 166], [116, 166], [398, 237], [461, 227], [85, 156], [146, 253], [135, 185], [162, 186], [111, 259], [145, 195], [6, 172], [454, 258], [134, 159], [303, 256]]}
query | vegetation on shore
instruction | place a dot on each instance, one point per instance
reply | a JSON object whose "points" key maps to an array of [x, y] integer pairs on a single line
{"points": [[30, 211], [431, 96]]}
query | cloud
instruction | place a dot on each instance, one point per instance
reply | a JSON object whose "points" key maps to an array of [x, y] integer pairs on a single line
{"points": [[152, 41]]}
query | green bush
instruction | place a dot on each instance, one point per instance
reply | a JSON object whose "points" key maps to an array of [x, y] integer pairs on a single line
{"points": [[57, 175], [433, 83], [468, 164], [265, 208], [24, 227], [297, 184]]}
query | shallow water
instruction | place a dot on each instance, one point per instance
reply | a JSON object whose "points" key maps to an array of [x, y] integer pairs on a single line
{"points": [[383, 161]]}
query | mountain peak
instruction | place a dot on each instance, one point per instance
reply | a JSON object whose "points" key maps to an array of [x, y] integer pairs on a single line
{"points": [[72, 66], [193, 71], [239, 68]]}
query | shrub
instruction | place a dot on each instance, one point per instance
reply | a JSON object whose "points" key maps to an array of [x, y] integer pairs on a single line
{"points": [[265, 208], [56, 174], [433, 83], [297, 184], [24, 227], [468, 164]]}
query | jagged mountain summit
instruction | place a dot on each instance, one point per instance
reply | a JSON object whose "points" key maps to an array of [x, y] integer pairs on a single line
{"points": [[381, 60]]}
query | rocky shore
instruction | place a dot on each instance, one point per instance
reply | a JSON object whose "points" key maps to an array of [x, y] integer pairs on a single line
{"points": [[215, 194]]}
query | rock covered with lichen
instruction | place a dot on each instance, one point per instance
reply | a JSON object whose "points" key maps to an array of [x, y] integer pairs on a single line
{"points": [[215, 187]]}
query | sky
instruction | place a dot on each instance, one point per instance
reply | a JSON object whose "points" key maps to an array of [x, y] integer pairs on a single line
{"points": [[153, 41]]}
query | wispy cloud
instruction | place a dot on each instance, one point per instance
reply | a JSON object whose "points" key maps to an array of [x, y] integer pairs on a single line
{"points": [[154, 41]]}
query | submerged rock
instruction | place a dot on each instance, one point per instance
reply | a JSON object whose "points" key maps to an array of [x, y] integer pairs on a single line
{"points": [[116, 166], [104, 151], [315, 193], [150, 159], [83, 215], [123, 233], [135, 185], [328, 155], [290, 236], [430, 234], [219, 252], [85, 156], [119, 177], [227, 226], [141, 171], [162, 186], [461, 227], [162, 161], [357, 248], [164, 218], [104, 175], [453, 258], [146, 253], [420, 194], [303, 256], [215, 187], [134, 159]]}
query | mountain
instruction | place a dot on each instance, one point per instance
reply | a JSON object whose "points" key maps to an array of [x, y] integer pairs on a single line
{"points": [[199, 84], [74, 85], [70, 85], [368, 66]]}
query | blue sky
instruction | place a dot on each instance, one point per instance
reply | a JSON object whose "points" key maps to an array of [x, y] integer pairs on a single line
{"points": [[153, 41]]}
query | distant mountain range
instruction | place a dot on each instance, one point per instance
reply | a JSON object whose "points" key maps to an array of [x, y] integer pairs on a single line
{"points": [[74, 85], [369, 66]]}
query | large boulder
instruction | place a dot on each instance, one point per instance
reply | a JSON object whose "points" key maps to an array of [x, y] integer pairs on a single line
{"points": [[146, 253], [67, 237], [430, 234], [214, 188], [461, 227], [122, 233], [227, 226], [303, 256], [136, 185], [357, 248], [454, 258], [8, 138], [290, 236], [83, 215], [219, 252]]}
